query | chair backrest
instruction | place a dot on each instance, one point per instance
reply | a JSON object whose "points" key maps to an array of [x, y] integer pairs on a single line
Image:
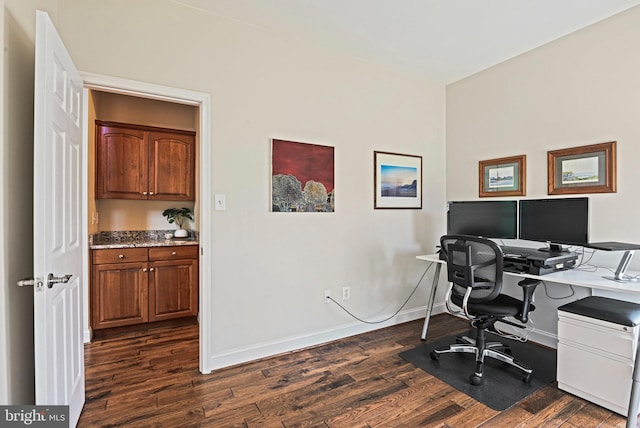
{"points": [[473, 262]]}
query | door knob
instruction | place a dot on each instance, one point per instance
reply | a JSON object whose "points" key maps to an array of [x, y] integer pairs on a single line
{"points": [[30, 282], [51, 279]]}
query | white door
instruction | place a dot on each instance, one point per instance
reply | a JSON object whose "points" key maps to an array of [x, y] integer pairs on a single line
{"points": [[59, 353]]}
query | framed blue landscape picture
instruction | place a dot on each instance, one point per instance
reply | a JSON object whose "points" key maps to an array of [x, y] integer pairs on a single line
{"points": [[397, 180]]}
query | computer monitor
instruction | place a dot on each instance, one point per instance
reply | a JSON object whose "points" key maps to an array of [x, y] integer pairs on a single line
{"points": [[489, 219], [555, 221]]}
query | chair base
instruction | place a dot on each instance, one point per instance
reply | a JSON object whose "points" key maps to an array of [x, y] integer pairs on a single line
{"points": [[495, 350]]}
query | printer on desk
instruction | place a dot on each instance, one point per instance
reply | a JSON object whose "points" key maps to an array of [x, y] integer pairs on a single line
{"points": [[536, 262]]}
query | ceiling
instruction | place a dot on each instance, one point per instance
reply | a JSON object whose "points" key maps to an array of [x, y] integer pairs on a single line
{"points": [[446, 40]]}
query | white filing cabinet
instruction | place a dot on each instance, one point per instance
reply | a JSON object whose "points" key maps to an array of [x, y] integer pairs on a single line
{"points": [[597, 339]]}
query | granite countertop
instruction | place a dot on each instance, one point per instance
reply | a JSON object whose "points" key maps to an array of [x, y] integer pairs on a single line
{"points": [[138, 238]]}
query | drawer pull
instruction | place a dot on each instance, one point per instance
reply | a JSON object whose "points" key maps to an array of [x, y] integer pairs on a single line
{"points": [[173, 253], [121, 256]]}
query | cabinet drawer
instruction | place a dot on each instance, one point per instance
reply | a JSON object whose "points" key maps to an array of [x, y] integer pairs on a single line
{"points": [[119, 255], [599, 335], [173, 253], [597, 378]]}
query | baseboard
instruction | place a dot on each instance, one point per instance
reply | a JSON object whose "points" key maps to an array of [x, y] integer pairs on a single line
{"points": [[544, 338], [288, 344]]}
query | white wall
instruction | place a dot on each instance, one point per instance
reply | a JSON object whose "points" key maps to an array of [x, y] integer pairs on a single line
{"points": [[270, 269], [579, 90], [16, 198]]}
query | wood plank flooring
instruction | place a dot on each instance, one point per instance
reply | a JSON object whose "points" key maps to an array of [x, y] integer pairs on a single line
{"points": [[151, 379]]}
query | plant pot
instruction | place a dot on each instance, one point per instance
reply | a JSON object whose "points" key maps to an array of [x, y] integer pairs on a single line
{"points": [[181, 233]]}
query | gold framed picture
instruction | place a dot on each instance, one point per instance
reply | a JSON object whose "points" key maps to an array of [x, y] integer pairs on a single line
{"points": [[503, 176], [584, 169]]}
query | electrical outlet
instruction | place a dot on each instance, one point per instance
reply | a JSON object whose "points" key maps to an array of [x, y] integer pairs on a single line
{"points": [[327, 296], [346, 293]]}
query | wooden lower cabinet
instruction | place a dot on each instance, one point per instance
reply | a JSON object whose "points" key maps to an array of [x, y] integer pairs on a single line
{"points": [[173, 289], [119, 294], [138, 285]]}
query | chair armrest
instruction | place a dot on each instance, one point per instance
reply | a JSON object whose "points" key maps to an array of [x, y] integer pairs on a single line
{"points": [[528, 287]]}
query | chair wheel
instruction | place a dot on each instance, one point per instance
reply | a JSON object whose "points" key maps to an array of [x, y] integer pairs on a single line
{"points": [[475, 380], [526, 378], [434, 355]]}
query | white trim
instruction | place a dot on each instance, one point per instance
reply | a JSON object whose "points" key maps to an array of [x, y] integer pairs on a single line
{"points": [[544, 338], [4, 244], [293, 343], [203, 101], [86, 333]]}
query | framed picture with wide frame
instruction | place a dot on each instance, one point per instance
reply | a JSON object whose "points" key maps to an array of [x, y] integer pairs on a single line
{"points": [[397, 181], [583, 169], [503, 176]]}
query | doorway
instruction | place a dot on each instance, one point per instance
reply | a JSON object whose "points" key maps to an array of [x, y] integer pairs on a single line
{"points": [[106, 89]]}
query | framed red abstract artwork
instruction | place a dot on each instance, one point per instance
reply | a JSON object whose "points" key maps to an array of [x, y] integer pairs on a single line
{"points": [[302, 177]]}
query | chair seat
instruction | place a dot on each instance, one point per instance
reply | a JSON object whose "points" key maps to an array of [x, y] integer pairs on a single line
{"points": [[503, 305]]}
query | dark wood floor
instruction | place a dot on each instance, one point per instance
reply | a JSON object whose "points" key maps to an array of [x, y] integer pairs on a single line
{"points": [[151, 380]]}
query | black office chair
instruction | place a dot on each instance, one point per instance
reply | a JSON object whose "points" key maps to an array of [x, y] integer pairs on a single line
{"points": [[474, 268]]}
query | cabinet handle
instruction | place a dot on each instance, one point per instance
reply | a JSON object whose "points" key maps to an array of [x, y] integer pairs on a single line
{"points": [[173, 253], [144, 269], [121, 256], [151, 193], [151, 270], [144, 193]]}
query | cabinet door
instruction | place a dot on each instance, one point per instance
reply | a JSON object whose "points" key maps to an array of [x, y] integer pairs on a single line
{"points": [[172, 166], [122, 163], [119, 294], [173, 289]]}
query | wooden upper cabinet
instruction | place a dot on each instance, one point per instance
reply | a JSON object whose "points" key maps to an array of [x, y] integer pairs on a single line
{"points": [[172, 166], [141, 162], [122, 156]]}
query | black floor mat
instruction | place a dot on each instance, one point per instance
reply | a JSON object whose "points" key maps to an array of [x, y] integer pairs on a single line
{"points": [[502, 387]]}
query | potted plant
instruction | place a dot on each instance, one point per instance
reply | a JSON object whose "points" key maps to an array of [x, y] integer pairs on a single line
{"points": [[178, 216]]}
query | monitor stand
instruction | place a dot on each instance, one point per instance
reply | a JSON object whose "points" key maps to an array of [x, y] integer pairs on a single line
{"points": [[622, 269], [554, 248]]}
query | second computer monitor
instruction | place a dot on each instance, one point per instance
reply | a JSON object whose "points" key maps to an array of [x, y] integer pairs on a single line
{"points": [[556, 221], [489, 219]]}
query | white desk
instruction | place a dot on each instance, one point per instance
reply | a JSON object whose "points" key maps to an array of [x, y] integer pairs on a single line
{"points": [[580, 278]]}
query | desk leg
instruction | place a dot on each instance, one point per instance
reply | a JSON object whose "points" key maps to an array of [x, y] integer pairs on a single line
{"points": [[432, 297], [632, 414]]}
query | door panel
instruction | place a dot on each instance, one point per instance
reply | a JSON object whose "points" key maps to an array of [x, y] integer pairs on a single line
{"points": [[59, 351]]}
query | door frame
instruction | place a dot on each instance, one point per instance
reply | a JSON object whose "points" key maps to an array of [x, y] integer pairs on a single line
{"points": [[201, 100]]}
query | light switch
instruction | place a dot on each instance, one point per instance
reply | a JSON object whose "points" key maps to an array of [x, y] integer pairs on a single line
{"points": [[220, 202]]}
